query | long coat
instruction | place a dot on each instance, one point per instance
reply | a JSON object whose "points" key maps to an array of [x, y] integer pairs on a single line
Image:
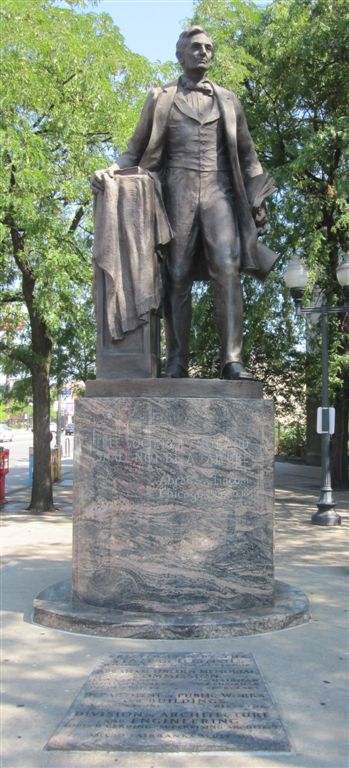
{"points": [[147, 149]]}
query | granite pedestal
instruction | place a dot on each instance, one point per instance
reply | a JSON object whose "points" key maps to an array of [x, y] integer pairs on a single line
{"points": [[173, 497]]}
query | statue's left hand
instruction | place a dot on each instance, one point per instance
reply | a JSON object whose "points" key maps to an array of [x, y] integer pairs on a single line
{"points": [[112, 170], [97, 178], [97, 182]]}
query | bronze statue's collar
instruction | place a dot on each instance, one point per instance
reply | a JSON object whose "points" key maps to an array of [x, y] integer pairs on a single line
{"points": [[204, 86]]}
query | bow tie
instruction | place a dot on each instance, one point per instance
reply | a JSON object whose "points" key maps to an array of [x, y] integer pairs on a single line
{"points": [[203, 87]]}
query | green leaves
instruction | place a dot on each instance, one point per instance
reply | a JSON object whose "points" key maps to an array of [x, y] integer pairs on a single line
{"points": [[70, 95], [290, 64], [224, 21]]}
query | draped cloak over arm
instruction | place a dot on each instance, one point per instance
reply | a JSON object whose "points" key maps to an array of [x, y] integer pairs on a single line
{"points": [[130, 224]]}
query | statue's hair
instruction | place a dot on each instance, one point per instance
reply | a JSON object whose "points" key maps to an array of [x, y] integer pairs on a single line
{"points": [[185, 37]]}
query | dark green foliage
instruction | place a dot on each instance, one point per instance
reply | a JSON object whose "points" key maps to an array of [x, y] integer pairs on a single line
{"points": [[291, 440], [290, 65], [204, 344], [71, 93]]}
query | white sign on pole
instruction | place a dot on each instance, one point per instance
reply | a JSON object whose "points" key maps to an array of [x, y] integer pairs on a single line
{"points": [[325, 422]]}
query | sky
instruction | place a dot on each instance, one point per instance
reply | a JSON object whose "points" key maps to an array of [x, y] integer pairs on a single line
{"points": [[149, 27]]}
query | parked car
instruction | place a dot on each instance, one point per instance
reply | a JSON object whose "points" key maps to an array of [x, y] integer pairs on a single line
{"points": [[69, 429], [6, 433]]}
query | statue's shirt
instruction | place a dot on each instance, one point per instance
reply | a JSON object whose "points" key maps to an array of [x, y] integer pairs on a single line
{"points": [[195, 137]]}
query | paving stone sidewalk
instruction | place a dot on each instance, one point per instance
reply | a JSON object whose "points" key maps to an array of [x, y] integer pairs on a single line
{"points": [[305, 668]]}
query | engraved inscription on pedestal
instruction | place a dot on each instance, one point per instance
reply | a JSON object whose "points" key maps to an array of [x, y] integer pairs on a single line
{"points": [[173, 503], [173, 702]]}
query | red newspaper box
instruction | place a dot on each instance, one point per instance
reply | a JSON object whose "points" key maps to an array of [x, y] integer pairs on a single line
{"points": [[4, 468]]}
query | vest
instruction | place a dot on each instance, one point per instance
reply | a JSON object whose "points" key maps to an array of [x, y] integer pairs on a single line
{"points": [[194, 144]]}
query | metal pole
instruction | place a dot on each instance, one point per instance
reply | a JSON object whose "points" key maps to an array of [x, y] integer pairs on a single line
{"points": [[326, 514]]}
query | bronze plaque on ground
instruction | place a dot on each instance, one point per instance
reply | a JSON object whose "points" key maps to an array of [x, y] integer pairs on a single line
{"points": [[169, 702]]}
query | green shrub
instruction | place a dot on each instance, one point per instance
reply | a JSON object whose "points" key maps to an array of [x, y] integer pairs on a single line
{"points": [[291, 440]]}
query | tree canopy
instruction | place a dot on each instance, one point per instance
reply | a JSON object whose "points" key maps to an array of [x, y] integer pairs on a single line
{"points": [[71, 93], [289, 63]]}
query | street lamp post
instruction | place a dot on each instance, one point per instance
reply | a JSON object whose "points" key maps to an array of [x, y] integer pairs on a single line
{"points": [[296, 278]]}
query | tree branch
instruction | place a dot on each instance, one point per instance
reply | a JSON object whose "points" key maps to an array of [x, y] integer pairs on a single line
{"points": [[18, 353], [52, 106], [77, 218], [7, 298]]}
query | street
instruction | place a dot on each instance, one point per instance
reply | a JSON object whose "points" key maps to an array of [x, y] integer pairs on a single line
{"points": [[18, 476]]}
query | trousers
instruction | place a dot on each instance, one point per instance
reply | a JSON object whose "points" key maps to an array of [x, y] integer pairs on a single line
{"points": [[200, 209]]}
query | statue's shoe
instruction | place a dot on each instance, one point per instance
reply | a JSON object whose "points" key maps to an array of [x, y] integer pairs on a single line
{"points": [[235, 371]]}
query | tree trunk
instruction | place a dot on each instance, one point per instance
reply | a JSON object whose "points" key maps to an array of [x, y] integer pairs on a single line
{"points": [[313, 443], [41, 499], [340, 466], [39, 363], [339, 457]]}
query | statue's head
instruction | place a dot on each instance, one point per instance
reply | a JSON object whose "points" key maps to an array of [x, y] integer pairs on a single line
{"points": [[194, 50]]}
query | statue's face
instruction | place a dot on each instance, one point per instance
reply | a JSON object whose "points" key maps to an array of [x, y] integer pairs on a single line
{"points": [[197, 54]]}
